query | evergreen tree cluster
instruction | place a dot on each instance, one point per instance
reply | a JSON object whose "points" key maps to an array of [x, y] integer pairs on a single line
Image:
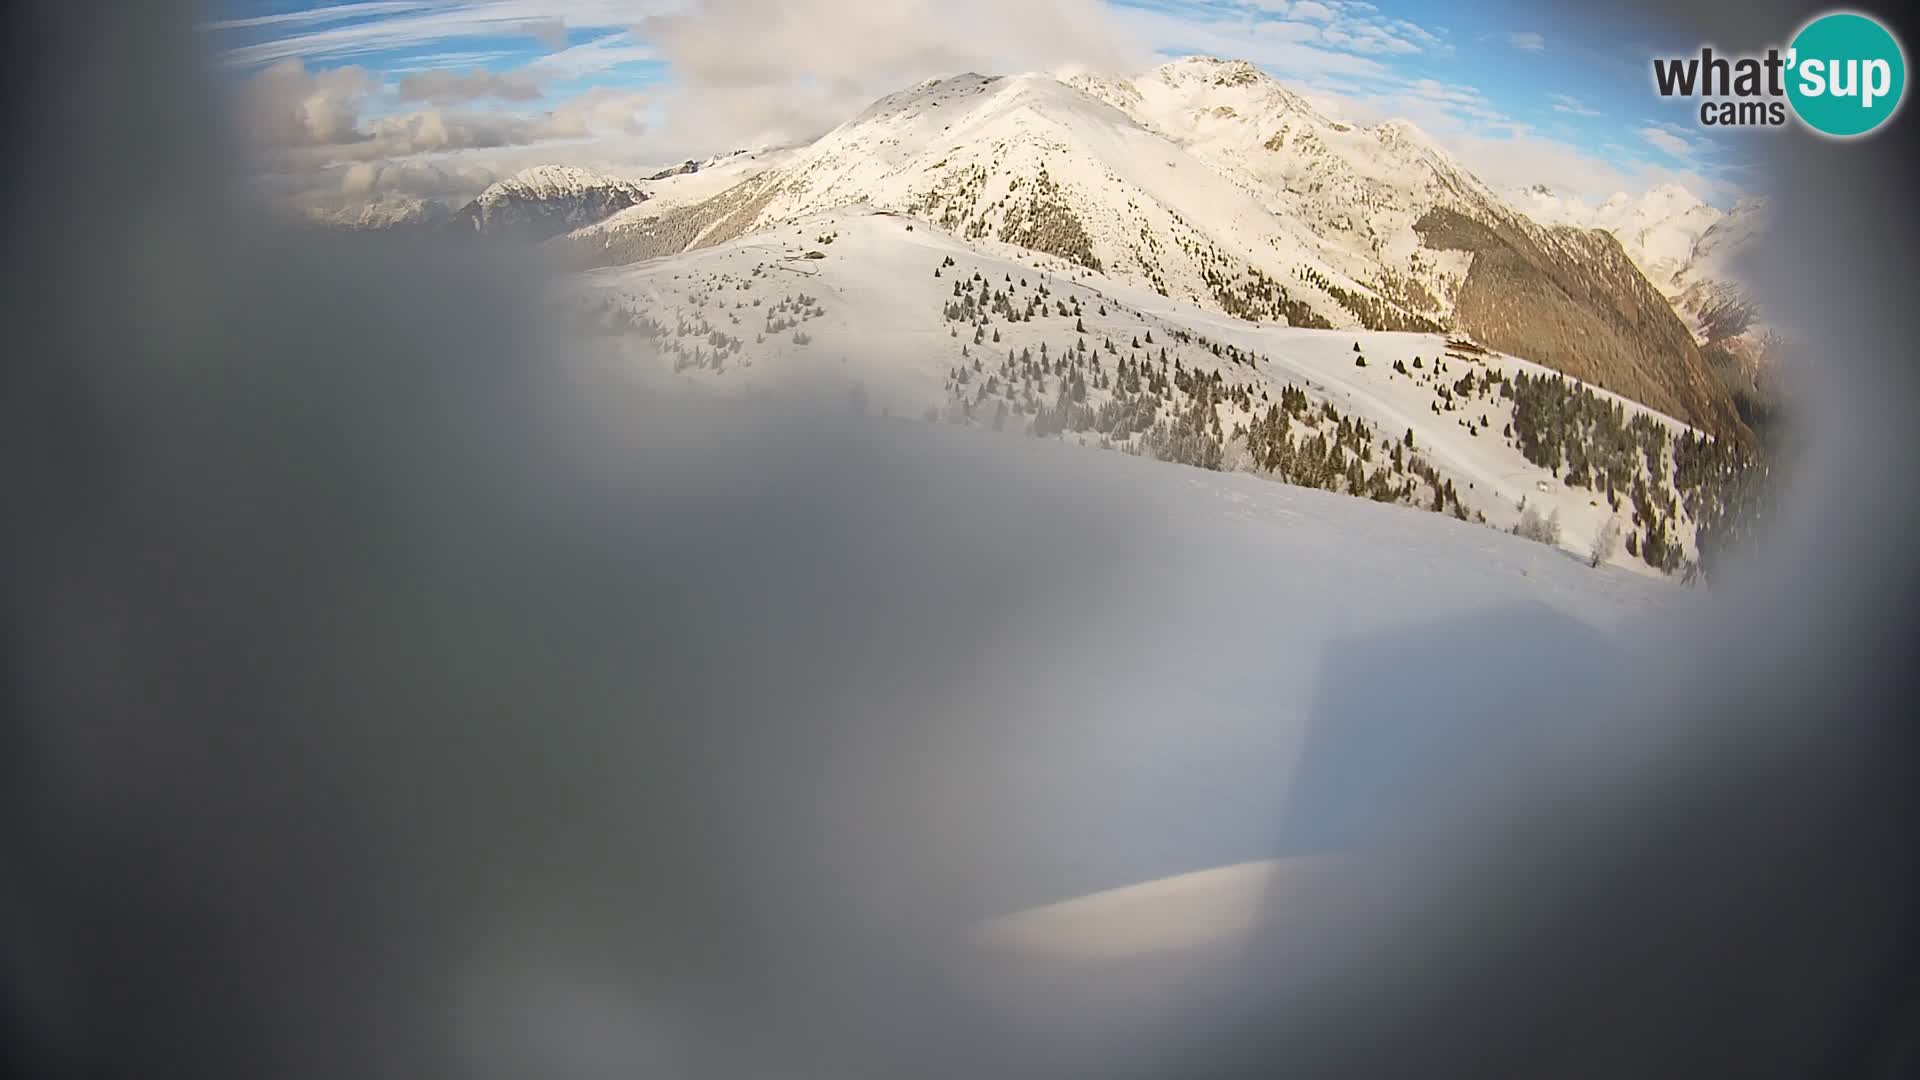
{"points": [[1337, 453], [1667, 479], [953, 202], [1037, 216], [1728, 493], [1246, 291], [1141, 395], [1255, 297], [1373, 312]]}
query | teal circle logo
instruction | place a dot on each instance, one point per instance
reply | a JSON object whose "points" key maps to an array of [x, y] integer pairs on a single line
{"points": [[1846, 74]]}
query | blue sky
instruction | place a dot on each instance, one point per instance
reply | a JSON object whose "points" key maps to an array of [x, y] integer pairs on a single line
{"points": [[1520, 93]]}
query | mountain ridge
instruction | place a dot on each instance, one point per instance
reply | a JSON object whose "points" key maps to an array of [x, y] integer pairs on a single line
{"points": [[544, 201], [1686, 247], [1209, 182]]}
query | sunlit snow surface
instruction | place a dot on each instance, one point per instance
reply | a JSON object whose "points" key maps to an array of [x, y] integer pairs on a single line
{"points": [[881, 327]]}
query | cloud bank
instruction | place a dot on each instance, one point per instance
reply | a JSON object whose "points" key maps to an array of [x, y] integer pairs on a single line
{"points": [[679, 79]]}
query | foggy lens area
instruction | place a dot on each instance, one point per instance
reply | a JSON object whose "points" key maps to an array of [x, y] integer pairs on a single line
{"points": [[1067, 538]]}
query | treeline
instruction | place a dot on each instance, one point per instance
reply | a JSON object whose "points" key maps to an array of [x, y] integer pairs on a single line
{"points": [[1373, 312], [1666, 479], [1040, 218], [1134, 393], [1728, 492]]}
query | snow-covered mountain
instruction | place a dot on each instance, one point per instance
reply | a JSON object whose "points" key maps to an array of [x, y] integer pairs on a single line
{"points": [[1101, 174], [1207, 182], [385, 215], [1687, 248], [691, 166], [549, 200], [1658, 229], [1350, 198], [680, 201], [1708, 290], [545, 201]]}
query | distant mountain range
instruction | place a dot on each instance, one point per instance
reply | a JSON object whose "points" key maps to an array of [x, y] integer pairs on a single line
{"points": [[532, 205], [546, 201], [1687, 249]]}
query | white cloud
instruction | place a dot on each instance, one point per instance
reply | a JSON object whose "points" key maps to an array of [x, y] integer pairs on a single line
{"points": [[1296, 49], [764, 70], [286, 105], [1528, 158], [418, 25], [319, 15], [1573, 106], [312, 138], [1666, 140], [1444, 111], [1503, 151], [1336, 26], [1420, 35], [741, 72], [1456, 100], [598, 111], [371, 180], [443, 87], [434, 130], [767, 70], [466, 58], [599, 54]]}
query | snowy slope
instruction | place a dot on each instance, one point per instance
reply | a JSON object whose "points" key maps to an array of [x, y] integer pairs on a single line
{"points": [[758, 314], [695, 182], [1350, 194], [1198, 179]]}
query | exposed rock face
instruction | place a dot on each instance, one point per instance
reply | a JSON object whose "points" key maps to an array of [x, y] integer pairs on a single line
{"points": [[685, 168]]}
